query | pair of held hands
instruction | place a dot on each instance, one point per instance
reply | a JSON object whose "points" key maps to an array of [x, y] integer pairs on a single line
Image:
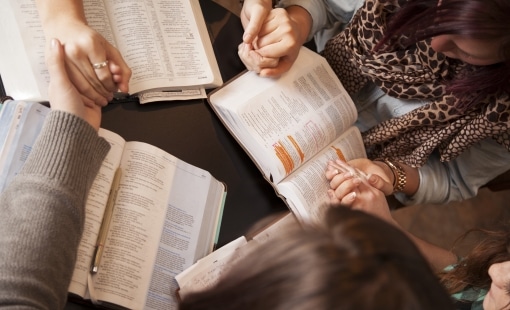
{"points": [[63, 94], [351, 187], [272, 37], [94, 66]]}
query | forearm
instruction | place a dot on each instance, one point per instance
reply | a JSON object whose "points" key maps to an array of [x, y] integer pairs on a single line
{"points": [[316, 11], [54, 11], [460, 178], [303, 21], [439, 258], [43, 213]]}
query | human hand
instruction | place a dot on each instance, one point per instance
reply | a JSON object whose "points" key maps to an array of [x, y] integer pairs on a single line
{"points": [[253, 15], [83, 48], [276, 46], [377, 173], [62, 93], [350, 188]]}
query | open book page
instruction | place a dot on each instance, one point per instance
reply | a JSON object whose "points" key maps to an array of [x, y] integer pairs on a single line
{"points": [[23, 66], [25, 126], [94, 210], [189, 232], [284, 122], [306, 189], [9, 119], [162, 43], [207, 272], [159, 195]]}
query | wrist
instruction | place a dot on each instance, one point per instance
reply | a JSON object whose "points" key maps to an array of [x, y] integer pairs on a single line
{"points": [[60, 12], [303, 21], [61, 27], [398, 175], [390, 176]]}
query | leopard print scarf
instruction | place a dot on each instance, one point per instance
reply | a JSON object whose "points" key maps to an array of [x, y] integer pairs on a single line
{"points": [[412, 73]]}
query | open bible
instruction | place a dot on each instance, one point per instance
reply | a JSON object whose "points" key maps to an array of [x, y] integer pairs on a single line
{"points": [[165, 43], [166, 215], [291, 127]]}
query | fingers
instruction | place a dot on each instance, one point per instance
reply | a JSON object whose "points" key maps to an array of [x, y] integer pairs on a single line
{"points": [[119, 69], [102, 80], [279, 35], [253, 60], [62, 93], [352, 190], [272, 38], [379, 183], [89, 81], [56, 66], [254, 25], [344, 184], [253, 17], [83, 85], [283, 66]]}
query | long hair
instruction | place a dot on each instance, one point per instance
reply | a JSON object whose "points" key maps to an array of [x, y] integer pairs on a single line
{"points": [[353, 261], [473, 270], [478, 19]]}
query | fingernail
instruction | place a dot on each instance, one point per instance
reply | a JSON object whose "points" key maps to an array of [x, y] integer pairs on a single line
{"points": [[351, 196], [372, 179], [53, 43]]}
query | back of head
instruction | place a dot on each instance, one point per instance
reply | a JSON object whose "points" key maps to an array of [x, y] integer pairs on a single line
{"points": [[353, 261]]}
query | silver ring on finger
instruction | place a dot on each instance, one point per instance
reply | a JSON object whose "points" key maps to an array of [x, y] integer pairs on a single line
{"points": [[100, 65]]}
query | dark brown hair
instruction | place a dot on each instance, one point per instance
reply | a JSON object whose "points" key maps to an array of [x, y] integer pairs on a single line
{"points": [[473, 270], [353, 261], [479, 19]]}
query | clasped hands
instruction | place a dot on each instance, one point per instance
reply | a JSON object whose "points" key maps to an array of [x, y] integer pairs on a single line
{"points": [[364, 190], [94, 66], [271, 39]]}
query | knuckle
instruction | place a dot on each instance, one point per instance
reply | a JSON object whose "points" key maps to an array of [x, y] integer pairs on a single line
{"points": [[72, 50]]}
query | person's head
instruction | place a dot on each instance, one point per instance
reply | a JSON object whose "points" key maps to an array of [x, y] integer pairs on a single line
{"points": [[486, 266], [352, 261], [476, 32], [498, 296]]}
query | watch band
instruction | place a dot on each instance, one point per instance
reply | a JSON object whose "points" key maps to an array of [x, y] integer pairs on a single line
{"points": [[399, 175]]}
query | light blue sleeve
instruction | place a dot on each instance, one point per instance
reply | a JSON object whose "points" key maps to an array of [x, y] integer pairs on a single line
{"points": [[440, 182], [329, 16], [462, 177]]}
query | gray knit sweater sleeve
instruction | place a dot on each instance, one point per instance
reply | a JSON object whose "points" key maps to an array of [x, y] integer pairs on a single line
{"points": [[42, 213]]}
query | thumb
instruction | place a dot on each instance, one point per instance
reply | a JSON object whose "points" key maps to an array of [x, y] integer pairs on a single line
{"points": [[55, 63], [255, 21], [379, 183]]}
